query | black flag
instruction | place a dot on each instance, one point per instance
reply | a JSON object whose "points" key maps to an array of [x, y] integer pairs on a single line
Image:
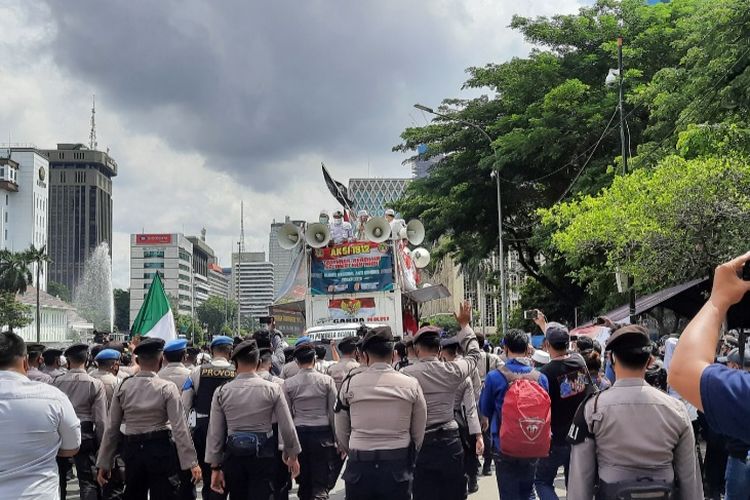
{"points": [[337, 189]]}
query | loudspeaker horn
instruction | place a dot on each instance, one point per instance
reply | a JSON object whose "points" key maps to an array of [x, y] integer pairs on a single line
{"points": [[415, 232], [421, 257], [377, 229], [289, 236], [317, 235]]}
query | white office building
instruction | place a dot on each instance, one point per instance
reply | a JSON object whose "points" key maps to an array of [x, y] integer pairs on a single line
{"points": [[252, 283], [281, 258], [24, 204], [218, 281], [170, 255]]}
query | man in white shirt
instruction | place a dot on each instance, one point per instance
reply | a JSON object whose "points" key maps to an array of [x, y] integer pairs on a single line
{"points": [[38, 423]]}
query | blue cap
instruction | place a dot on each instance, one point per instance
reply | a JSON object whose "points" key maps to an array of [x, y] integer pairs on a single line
{"points": [[107, 354], [222, 340], [175, 345], [303, 340]]}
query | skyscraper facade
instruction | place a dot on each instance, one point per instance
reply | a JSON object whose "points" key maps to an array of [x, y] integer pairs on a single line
{"points": [[376, 194], [252, 283], [80, 208], [203, 255], [281, 258]]}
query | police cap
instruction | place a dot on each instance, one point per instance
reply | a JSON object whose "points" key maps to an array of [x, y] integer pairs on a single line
{"points": [[633, 338], [76, 349], [149, 345], [175, 345], [221, 340], [107, 355], [449, 341], [349, 343], [303, 340], [244, 347], [377, 335], [425, 332], [35, 348]]}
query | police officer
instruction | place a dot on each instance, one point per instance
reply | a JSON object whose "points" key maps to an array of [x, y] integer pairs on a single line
{"points": [[291, 368], [175, 371], [439, 471], [632, 437], [240, 445], [311, 396], [348, 360], [107, 368], [35, 360], [156, 441], [380, 422], [52, 366], [197, 393]]}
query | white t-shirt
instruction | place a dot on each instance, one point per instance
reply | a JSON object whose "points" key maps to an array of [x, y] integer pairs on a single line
{"points": [[37, 420]]}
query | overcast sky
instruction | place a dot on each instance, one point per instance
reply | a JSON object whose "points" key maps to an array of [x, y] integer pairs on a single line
{"points": [[206, 103]]}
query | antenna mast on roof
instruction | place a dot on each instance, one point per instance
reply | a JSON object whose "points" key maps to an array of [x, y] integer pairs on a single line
{"points": [[92, 134]]}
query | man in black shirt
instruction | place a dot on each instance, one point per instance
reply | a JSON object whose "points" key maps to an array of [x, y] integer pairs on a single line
{"points": [[568, 387]]}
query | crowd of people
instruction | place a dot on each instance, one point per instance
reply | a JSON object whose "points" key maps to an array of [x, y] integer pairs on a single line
{"points": [[415, 417]]}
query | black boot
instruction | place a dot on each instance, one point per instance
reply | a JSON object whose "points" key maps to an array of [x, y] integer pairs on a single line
{"points": [[473, 485], [487, 467]]}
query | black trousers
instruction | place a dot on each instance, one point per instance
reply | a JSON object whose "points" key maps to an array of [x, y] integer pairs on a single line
{"points": [[249, 478], [439, 474], [151, 467], [282, 480], [64, 465], [317, 462], [85, 462], [471, 460], [487, 436], [115, 488], [378, 480], [199, 440]]}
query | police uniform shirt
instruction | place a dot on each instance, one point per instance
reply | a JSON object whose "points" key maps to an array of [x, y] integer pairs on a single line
{"points": [[465, 400], [440, 380], [248, 404], [147, 403], [192, 382], [53, 372], [638, 431], [290, 370], [176, 373], [270, 377], [38, 376], [339, 370], [88, 397], [311, 397], [387, 410], [110, 382]]}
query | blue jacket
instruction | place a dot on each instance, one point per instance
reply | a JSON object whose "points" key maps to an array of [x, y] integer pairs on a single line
{"points": [[493, 394]]}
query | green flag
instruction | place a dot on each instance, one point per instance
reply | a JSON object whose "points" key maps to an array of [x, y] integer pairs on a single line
{"points": [[155, 318]]}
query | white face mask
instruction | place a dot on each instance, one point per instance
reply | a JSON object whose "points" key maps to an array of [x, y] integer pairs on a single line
{"points": [[337, 221], [323, 220]]}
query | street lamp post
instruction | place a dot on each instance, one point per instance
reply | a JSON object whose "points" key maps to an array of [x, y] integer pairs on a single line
{"points": [[496, 175]]}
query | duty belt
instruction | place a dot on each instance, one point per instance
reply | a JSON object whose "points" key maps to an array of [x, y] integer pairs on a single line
{"points": [[313, 428], [378, 455], [148, 436], [442, 427]]}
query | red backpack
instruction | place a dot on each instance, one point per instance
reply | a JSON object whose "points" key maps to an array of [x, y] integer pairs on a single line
{"points": [[526, 425]]}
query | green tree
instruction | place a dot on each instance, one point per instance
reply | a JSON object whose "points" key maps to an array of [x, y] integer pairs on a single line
{"points": [[59, 290], [13, 314], [15, 274], [122, 309], [217, 312], [39, 257]]}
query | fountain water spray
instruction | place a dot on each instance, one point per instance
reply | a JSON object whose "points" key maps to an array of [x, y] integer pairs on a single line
{"points": [[93, 298]]}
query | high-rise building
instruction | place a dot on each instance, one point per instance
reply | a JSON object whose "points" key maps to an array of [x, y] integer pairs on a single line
{"points": [[24, 187], [281, 258], [80, 208], [376, 194], [218, 281], [421, 166], [203, 255], [170, 255], [252, 283]]}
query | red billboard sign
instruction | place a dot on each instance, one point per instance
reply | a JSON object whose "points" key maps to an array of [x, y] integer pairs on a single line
{"points": [[153, 239]]}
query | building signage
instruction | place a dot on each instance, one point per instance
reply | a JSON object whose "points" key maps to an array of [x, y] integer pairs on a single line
{"points": [[153, 239], [363, 266]]}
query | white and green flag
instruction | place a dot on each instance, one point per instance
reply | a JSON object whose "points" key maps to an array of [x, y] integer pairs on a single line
{"points": [[155, 318]]}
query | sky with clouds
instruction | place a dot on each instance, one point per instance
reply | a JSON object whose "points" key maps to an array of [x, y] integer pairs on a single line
{"points": [[204, 104]]}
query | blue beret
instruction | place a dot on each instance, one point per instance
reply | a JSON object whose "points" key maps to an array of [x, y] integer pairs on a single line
{"points": [[107, 354], [222, 340], [303, 340], [175, 345]]}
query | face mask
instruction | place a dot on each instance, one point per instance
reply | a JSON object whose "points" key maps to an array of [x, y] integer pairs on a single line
{"points": [[323, 220], [337, 222]]}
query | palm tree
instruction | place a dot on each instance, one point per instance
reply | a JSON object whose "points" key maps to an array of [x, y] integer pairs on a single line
{"points": [[37, 256], [15, 274]]}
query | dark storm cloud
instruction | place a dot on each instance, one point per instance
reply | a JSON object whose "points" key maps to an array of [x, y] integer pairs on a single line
{"points": [[252, 84]]}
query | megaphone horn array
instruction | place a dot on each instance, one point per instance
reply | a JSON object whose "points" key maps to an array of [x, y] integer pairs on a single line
{"points": [[421, 257], [415, 232], [289, 236], [377, 229], [317, 235]]}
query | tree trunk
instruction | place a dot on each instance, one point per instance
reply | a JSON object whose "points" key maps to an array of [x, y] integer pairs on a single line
{"points": [[38, 318]]}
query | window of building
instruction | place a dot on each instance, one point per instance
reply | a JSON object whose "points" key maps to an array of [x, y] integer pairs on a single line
{"points": [[148, 276], [184, 277], [153, 265], [184, 255], [153, 253], [184, 287], [184, 267]]}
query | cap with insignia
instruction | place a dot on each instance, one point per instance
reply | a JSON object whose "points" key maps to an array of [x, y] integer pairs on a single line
{"points": [[76, 349], [377, 335], [633, 338], [35, 348], [107, 355], [427, 331], [149, 345], [221, 340], [244, 347], [175, 345]]}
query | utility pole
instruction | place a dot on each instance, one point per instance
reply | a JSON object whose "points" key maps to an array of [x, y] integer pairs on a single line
{"points": [[624, 150]]}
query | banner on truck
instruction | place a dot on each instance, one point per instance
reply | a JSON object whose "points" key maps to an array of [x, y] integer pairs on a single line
{"points": [[362, 266], [379, 309]]}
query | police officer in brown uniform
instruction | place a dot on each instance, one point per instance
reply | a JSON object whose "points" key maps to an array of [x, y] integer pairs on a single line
{"points": [[240, 445], [35, 360], [439, 471], [311, 396], [107, 367], [156, 440], [348, 361], [380, 422], [89, 401], [291, 368], [197, 394], [175, 371], [632, 437]]}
